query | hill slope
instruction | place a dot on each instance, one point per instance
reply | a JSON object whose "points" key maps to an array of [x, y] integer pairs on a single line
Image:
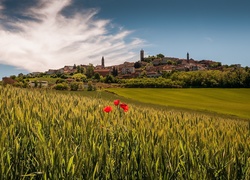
{"points": [[235, 102]]}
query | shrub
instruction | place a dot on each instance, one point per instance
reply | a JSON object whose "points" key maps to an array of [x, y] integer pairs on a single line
{"points": [[61, 86], [60, 81], [90, 86], [74, 86]]}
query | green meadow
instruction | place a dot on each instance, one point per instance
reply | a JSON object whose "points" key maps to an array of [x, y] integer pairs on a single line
{"points": [[231, 102]]}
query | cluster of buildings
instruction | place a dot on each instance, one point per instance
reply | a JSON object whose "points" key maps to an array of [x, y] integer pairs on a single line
{"points": [[146, 67], [156, 67]]}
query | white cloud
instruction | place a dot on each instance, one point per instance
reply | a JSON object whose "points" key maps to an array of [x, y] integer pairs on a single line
{"points": [[54, 40], [209, 39]]}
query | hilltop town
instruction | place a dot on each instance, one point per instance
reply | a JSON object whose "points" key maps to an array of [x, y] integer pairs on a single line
{"points": [[151, 66], [152, 71]]}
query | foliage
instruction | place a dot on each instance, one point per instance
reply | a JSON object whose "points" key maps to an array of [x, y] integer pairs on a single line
{"points": [[90, 71], [53, 136], [97, 76], [109, 79], [74, 86], [61, 86], [13, 77], [60, 81], [149, 59], [151, 83], [59, 75], [80, 69], [114, 71], [22, 84], [90, 86], [35, 84], [79, 77], [229, 78], [137, 65], [160, 55]]}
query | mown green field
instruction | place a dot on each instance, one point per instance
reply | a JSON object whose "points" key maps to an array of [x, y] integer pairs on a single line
{"points": [[233, 102]]}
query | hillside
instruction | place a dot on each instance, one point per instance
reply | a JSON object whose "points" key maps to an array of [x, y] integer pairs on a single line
{"points": [[231, 102]]}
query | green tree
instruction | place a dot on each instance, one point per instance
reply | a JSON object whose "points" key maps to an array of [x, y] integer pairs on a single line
{"points": [[137, 65], [35, 83], [20, 75], [109, 79], [90, 71], [97, 76], [149, 59], [61, 86], [247, 78], [74, 86], [40, 84], [90, 86], [25, 84], [79, 77], [80, 69], [160, 56], [114, 72], [13, 77]]}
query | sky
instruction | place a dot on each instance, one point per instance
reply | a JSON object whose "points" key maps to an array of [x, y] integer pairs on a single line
{"points": [[37, 35]]}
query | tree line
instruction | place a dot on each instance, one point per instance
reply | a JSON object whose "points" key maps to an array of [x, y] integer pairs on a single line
{"points": [[228, 78]]}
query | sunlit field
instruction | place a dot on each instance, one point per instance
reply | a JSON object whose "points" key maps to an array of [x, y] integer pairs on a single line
{"points": [[47, 135], [233, 102]]}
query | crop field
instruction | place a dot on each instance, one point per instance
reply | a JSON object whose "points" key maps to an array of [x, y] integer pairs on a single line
{"points": [[233, 102], [48, 135]]}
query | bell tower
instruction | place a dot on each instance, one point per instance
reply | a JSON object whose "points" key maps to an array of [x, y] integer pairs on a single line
{"points": [[142, 55], [103, 62]]}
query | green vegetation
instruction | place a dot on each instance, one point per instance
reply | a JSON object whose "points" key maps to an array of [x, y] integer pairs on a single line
{"points": [[234, 102], [46, 135], [61, 86], [228, 78], [212, 76]]}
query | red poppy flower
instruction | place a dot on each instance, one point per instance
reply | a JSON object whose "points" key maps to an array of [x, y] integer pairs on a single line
{"points": [[124, 107], [107, 109], [117, 102]]}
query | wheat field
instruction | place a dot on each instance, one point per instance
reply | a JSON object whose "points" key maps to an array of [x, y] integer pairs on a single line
{"points": [[45, 135]]}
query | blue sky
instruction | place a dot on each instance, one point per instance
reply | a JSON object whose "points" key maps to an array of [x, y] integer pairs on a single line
{"points": [[37, 35]]}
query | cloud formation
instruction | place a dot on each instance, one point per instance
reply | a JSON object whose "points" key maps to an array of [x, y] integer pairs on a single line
{"points": [[47, 38]]}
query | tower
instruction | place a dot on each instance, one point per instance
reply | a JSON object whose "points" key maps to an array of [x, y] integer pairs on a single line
{"points": [[142, 55], [103, 62], [188, 57]]}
